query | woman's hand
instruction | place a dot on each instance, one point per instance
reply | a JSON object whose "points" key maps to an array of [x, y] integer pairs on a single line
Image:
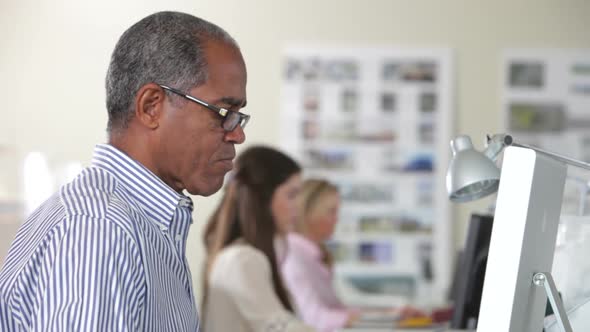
{"points": [[353, 318]]}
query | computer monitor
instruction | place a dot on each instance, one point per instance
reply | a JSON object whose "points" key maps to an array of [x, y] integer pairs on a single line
{"points": [[452, 292], [468, 283]]}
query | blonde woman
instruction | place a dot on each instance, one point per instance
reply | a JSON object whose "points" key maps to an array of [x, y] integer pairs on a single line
{"points": [[307, 266]]}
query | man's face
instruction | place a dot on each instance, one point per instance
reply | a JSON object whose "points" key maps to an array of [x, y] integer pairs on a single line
{"points": [[195, 152]]}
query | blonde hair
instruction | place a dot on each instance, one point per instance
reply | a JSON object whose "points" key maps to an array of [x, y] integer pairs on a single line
{"points": [[312, 194]]}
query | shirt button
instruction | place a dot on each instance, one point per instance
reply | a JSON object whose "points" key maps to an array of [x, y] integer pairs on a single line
{"points": [[178, 237]]}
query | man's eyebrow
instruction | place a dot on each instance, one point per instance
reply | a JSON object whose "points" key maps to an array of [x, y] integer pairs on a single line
{"points": [[232, 101]]}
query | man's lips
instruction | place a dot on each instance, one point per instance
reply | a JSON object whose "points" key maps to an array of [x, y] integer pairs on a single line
{"points": [[227, 163]]}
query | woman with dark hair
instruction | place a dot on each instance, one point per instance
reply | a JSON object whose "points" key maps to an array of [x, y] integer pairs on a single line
{"points": [[243, 286]]}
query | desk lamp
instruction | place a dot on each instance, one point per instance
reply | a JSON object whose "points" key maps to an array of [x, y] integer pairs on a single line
{"points": [[530, 190]]}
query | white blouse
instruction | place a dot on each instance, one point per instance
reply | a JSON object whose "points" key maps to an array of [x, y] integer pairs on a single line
{"points": [[241, 296]]}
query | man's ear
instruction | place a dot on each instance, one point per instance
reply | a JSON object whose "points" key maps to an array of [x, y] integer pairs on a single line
{"points": [[149, 105]]}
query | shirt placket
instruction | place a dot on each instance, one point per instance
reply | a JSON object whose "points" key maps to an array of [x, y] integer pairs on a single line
{"points": [[180, 225]]}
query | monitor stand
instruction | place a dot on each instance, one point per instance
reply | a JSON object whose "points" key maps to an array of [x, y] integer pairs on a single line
{"points": [[544, 279]]}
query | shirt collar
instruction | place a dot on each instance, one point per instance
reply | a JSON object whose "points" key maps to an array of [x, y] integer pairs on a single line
{"points": [[153, 196], [304, 245]]}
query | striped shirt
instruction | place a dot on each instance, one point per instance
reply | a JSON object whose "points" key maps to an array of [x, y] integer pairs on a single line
{"points": [[105, 253]]}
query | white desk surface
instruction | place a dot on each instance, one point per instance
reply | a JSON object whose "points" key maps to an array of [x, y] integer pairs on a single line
{"points": [[382, 329]]}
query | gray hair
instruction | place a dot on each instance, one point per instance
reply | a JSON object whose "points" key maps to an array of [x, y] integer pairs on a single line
{"points": [[165, 47]]}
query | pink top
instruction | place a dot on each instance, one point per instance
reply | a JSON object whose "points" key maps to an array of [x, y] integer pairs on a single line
{"points": [[309, 282]]}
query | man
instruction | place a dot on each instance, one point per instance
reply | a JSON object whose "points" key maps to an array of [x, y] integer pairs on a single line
{"points": [[107, 252]]}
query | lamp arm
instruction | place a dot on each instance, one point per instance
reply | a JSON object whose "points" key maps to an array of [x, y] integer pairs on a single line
{"points": [[545, 280], [562, 158], [497, 143]]}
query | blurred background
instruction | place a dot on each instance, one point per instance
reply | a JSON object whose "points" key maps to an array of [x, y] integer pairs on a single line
{"points": [[54, 56]]}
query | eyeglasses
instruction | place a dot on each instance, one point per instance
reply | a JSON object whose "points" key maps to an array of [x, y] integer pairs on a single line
{"points": [[231, 119]]}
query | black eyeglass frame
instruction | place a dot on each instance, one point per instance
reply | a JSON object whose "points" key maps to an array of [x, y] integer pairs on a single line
{"points": [[231, 119]]}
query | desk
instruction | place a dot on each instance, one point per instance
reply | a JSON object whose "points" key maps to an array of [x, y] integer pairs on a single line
{"points": [[385, 322], [382, 329]]}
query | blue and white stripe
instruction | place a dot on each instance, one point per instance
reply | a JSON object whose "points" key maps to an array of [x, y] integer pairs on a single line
{"points": [[105, 253]]}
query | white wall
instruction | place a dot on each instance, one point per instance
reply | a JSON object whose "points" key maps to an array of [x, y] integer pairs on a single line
{"points": [[54, 55]]}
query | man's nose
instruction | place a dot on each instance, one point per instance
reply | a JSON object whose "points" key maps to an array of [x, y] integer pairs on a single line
{"points": [[236, 136]]}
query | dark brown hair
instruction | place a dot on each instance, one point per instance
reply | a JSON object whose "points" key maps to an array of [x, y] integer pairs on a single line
{"points": [[245, 210]]}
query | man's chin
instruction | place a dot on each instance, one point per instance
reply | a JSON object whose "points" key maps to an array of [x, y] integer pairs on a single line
{"points": [[206, 190]]}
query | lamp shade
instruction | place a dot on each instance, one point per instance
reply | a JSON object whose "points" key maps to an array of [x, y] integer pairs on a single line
{"points": [[471, 175]]}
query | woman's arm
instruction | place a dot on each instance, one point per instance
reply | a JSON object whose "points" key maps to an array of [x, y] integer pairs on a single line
{"points": [[246, 277]]}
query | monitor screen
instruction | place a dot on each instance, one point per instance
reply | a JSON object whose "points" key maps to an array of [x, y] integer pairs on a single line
{"points": [[470, 273]]}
